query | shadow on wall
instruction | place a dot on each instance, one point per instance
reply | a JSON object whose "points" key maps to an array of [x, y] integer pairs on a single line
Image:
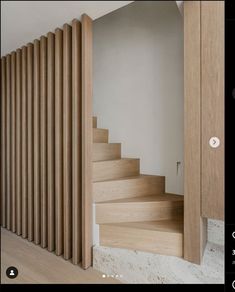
{"points": [[138, 85]]}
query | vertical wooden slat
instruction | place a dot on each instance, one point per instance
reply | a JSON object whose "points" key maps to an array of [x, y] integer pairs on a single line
{"points": [[8, 139], [194, 224], [67, 137], [51, 138], [3, 142], [30, 139], [86, 141], [43, 138], [24, 145], [36, 140], [13, 148], [59, 141], [76, 140], [18, 143]]}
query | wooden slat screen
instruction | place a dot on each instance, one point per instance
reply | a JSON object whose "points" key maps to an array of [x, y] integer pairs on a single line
{"points": [[41, 141]]}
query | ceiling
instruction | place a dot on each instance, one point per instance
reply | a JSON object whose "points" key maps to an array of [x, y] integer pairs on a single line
{"points": [[24, 21]]}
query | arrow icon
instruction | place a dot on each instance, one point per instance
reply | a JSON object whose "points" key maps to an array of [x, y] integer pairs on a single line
{"points": [[214, 142]]}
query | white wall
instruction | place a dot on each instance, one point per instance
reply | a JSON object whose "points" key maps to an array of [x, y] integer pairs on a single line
{"points": [[37, 18], [138, 84]]}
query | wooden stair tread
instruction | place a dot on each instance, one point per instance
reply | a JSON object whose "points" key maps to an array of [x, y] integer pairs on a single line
{"points": [[116, 159], [150, 198], [100, 129], [95, 143], [126, 177], [172, 226], [161, 237], [128, 187]]}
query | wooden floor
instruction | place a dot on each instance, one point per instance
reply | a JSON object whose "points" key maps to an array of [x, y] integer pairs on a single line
{"points": [[38, 266]]}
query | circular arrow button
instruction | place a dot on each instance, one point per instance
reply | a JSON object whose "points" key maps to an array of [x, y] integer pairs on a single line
{"points": [[214, 142], [233, 284]]}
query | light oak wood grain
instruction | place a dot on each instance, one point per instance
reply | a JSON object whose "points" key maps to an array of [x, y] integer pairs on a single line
{"points": [[30, 89], [87, 140], [212, 21], [143, 185], [162, 237], [100, 135], [8, 141], [77, 143], [13, 145], [113, 169], [36, 141], [18, 143], [105, 151], [59, 229], [193, 222], [43, 139], [148, 208], [48, 268], [24, 145], [67, 139], [3, 141], [51, 139]]}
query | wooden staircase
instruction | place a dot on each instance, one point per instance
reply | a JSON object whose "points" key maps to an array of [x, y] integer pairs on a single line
{"points": [[132, 209]]}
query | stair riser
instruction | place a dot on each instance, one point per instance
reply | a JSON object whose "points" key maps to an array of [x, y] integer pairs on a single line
{"points": [[100, 136], [143, 240], [114, 169], [106, 151], [129, 188], [136, 212]]}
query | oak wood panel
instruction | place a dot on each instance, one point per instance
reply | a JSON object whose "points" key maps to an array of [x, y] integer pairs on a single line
{"points": [[59, 141], [36, 140], [67, 139], [193, 222], [100, 135], [3, 141], [18, 142], [8, 139], [86, 141], [51, 138], [212, 22], [130, 187], [30, 192], [147, 208], [24, 145], [43, 138], [154, 237], [105, 151], [114, 169], [76, 140]]}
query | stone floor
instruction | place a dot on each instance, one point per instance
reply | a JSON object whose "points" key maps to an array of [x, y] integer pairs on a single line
{"points": [[141, 267]]}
